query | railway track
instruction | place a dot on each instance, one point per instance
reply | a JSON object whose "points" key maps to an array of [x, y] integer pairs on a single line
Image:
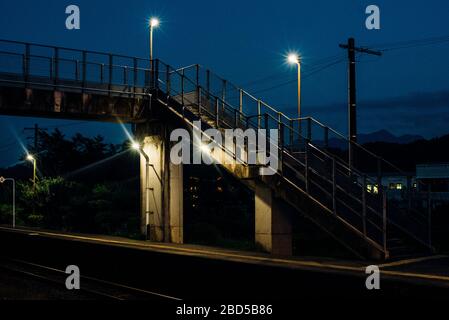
{"points": [[93, 287]]}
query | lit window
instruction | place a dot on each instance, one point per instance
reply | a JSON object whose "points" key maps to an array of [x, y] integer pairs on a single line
{"points": [[372, 188], [399, 186]]}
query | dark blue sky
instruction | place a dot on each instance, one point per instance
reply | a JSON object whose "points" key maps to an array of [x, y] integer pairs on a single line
{"points": [[405, 91]]}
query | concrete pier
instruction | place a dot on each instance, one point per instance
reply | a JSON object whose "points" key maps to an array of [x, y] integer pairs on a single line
{"points": [[161, 185], [273, 223]]}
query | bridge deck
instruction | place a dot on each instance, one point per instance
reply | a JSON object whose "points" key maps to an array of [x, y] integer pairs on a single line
{"points": [[69, 99]]}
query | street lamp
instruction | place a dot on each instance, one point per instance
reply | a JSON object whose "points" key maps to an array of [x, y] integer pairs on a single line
{"points": [[33, 160], [135, 146], [138, 147], [293, 58], [3, 180], [154, 23]]}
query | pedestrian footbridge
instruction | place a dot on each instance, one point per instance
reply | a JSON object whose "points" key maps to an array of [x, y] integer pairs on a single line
{"points": [[313, 178]]}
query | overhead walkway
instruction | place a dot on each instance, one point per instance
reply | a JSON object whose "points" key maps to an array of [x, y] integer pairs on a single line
{"points": [[315, 177]]}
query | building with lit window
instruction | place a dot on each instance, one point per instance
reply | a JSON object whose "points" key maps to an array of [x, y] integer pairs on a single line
{"points": [[435, 177]]}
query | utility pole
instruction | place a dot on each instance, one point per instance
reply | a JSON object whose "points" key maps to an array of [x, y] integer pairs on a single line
{"points": [[35, 130], [352, 103]]}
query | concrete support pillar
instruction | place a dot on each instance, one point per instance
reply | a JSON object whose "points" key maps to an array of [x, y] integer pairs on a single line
{"points": [[162, 214], [176, 204], [273, 223]]}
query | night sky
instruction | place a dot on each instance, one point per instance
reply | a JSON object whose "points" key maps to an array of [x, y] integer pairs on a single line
{"points": [[405, 91]]}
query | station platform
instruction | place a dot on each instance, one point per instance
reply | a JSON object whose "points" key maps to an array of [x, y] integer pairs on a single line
{"points": [[429, 270]]}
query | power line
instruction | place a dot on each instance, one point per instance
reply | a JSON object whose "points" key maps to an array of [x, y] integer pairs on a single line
{"points": [[399, 45], [308, 75], [283, 75]]}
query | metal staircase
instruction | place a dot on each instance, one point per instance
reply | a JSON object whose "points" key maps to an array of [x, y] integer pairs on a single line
{"points": [[393, 223]]}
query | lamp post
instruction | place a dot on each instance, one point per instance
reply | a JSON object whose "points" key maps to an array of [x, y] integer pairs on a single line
{"points": [[33, 160], [154, 23], [136, 146], [294, 58], [3, 180]]}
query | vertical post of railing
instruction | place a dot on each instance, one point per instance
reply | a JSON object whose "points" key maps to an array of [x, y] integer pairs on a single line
{"points": [[217, 113], [56, 54], [379, 176], [208, 84], [223, 94], [199, 99], [84, 68], [152, 74], [326, 137], [147, 74], [266, 119], [50, 65], [156, 75], [350, 155], [309, 129], [236, 118], [429, 215], [77, 70], [267, 132], [291, 137], [102, 73], [241, 101], [409, 194], [280, 128], [182, 90], [111, 71], [24, 66], [125, 75], [334, 186], [135, 80], [259, 114], [384, 219], [281, 148], [27, 62], [306, 161], [364, 205], [168, 81], [197, 75]]}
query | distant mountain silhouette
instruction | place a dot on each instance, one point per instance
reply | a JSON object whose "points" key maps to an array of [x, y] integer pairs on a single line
{"points": [[386, 136], [378, 136]]}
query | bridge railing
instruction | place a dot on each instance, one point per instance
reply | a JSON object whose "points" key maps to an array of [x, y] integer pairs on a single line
{"points": [[81, 69]]}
